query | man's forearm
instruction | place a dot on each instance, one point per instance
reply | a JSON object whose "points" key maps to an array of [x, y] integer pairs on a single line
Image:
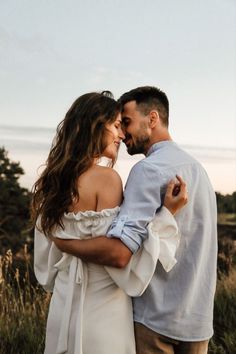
{"points": [[100, 250]]}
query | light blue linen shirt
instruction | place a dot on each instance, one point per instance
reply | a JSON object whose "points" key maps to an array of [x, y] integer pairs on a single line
{"points": [[178, 304]]}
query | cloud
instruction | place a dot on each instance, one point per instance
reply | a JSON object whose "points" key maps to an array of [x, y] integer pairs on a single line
{"points": [[30, 44]]}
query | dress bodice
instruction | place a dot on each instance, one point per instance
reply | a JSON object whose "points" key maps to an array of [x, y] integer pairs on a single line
{"points": [[85, 224]]}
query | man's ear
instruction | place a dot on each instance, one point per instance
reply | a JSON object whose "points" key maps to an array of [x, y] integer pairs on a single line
{"points": [[154, 119]]}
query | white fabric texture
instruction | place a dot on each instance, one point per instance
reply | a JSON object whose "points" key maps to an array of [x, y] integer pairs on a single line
{"points": [[91, 309]]}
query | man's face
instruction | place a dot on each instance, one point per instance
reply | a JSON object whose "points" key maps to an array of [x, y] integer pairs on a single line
{"points": [[136, 130]]}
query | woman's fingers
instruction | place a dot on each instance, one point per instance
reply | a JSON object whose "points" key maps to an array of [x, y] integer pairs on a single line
{"points": [[176, 195], [175, 187], [183, 193], [170, 188], [180, 179]]}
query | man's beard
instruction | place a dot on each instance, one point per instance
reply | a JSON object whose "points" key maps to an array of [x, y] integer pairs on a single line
{"points": [[139, 146]]}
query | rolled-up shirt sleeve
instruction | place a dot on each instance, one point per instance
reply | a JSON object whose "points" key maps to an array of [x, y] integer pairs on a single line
{"points": [[142, 197]]}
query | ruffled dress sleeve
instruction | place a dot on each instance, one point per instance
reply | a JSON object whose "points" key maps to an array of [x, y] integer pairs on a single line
{"points": [[161, 244], [48, 259], [46, 255]]}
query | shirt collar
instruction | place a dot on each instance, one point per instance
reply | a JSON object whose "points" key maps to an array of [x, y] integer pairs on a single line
{"points": [[159, 145]]}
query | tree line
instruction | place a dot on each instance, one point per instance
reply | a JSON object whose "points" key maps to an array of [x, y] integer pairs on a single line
{"points": [[226, 203]]}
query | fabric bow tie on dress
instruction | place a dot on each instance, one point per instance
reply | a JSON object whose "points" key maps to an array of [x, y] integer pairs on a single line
{"points": [[78, 280]]}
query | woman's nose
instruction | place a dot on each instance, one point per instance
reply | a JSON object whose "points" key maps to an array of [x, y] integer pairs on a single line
{"points": [[121, 134]]}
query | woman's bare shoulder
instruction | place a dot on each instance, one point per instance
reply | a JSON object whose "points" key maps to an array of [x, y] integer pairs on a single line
{"points": [[99, 188], [98, 175], [101, 174], [109, 187]]}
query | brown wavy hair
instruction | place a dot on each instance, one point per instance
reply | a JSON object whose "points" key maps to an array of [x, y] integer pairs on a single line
{"points": [[79, 139]]}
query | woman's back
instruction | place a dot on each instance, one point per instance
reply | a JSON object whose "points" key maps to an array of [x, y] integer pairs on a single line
{"points": [[96, 314]]}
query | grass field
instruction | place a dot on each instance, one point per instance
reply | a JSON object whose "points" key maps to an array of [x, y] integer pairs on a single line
{"points": [[23, 308], [24, 304], [227, 219]]}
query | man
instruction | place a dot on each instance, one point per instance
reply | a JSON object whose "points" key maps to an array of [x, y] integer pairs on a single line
{"points": [[174, 315]]}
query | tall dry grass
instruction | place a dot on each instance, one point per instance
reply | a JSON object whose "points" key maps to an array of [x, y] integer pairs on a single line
{"points": [[23, 306], [224, 340]]}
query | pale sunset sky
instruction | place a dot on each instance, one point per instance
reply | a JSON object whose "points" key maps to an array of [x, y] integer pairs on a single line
{"points": [[51, 52]]}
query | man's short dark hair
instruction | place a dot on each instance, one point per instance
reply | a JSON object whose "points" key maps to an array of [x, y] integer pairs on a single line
{"points": [[148, 98]]}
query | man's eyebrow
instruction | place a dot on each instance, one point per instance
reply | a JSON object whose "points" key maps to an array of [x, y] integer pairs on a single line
{"points": [[125, 117]]}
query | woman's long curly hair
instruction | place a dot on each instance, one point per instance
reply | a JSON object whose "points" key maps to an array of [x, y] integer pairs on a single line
{"points": [[80, 138]]}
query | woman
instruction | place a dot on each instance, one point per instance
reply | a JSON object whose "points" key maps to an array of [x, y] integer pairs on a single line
{"points": [[90, 310]]}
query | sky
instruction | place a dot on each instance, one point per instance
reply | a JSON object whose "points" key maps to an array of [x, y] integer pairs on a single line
{"points": [[51, 52]]}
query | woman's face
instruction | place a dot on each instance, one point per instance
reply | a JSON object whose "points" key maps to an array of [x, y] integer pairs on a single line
{"points": [[114, 136]]}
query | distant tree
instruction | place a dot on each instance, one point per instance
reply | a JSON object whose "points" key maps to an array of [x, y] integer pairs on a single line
{"points": [[226, 203], [14, 205]]}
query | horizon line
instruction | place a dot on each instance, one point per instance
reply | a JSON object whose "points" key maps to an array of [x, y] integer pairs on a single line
{"points": [[186, 145]]}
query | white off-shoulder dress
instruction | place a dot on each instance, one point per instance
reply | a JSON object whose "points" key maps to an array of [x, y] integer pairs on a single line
{"points": [[91, 309]]}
